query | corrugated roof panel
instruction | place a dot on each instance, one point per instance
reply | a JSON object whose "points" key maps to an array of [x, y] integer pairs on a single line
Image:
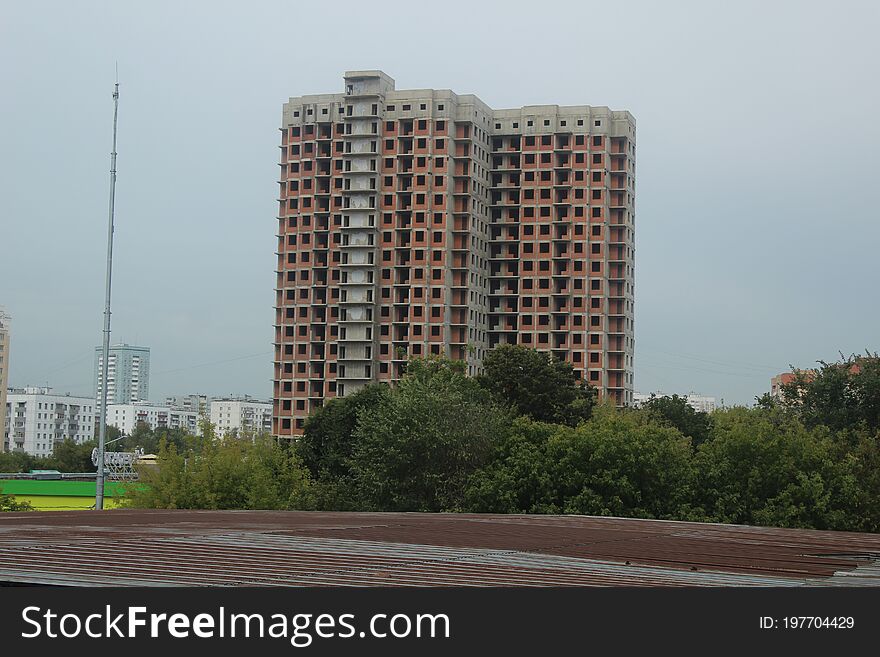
{"points": [[264, 548]]}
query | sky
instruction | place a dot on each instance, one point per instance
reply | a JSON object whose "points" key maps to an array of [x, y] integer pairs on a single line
{"points": [[758, 149]]}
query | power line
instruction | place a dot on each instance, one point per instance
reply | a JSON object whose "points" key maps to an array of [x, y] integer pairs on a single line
{"points": [[78, 360], [739, 364], [216, 362], [78, 385], [641, 364]]}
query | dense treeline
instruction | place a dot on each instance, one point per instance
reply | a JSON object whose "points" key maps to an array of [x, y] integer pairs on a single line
{"points": [[207, 472], [527, 437], [67, 456]]}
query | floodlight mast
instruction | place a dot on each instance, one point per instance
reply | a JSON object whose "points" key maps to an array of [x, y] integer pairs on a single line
{"points": [[102, 429]]}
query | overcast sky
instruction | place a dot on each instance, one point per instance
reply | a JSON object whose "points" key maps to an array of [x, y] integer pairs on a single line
{"points": [[757, 227]]}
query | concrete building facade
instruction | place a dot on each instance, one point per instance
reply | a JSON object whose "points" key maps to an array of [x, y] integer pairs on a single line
{"points": [[196, 403], [4, 370], [700, 403], [128, 374], [778, 381], [126, 417], [787, 378], [244, 415], [38, 418], [423, 222]]}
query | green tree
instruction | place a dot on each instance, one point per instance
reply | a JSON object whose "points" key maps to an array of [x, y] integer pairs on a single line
{"points": [[766, 402], [222, 474], [841, 395], [675, 412], [17, 462], [147, 439], [859, 452], [416, 447], [9, 503], [518, 477], [866, 383], [112, 433], [615, 464], [327, 446], [327, 443], [537, 385], [163, 485], [68, 456], [766, 468]]}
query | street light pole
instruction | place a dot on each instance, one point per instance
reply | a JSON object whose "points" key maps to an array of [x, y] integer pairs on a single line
{"points": [[102, 429]]}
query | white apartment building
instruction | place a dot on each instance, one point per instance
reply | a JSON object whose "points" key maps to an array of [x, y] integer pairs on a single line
{"points": [[699, 403], [128, 374], [126, 417], [195, 402], [4, 371], [640, 398], [37, 419], [241, 414]]}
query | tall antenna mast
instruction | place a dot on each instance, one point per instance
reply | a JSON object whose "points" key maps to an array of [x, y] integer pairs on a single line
{"points": [[102, 430]]}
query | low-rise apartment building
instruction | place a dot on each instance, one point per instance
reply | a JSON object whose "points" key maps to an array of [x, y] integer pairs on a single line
{"points": [[38, 418], [242, 415]]}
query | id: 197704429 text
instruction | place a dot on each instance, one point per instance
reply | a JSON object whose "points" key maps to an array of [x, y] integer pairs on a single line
{"points": [[807, 623]]}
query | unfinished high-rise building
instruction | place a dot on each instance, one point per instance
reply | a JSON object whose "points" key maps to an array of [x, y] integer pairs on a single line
{"points": [[423, 222]]}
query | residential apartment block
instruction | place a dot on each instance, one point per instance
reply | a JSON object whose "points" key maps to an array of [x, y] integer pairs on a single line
{"points": [[423, 222], [128, 374], [241, 415], [126, 417], [700, 403], [4, 372], [196, 403], [38, 418], [787, 378]]}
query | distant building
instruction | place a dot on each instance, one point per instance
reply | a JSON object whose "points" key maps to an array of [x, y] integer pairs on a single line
{"points": [[785, 378], [424, 222], [128, 374], [37, 419], [195, 403], [699, 403], [126, 417], [4, 371], [778, 381], [241, 414], [640, 398]]}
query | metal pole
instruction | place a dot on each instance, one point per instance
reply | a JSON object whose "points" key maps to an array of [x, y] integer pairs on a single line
{"points": [[102, 430]]}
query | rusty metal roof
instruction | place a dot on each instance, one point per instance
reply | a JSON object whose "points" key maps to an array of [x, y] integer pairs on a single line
{"points": [[276, 548]]}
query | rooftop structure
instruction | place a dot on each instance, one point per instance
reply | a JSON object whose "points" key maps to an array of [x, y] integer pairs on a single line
{"points": [[272, 548]]}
